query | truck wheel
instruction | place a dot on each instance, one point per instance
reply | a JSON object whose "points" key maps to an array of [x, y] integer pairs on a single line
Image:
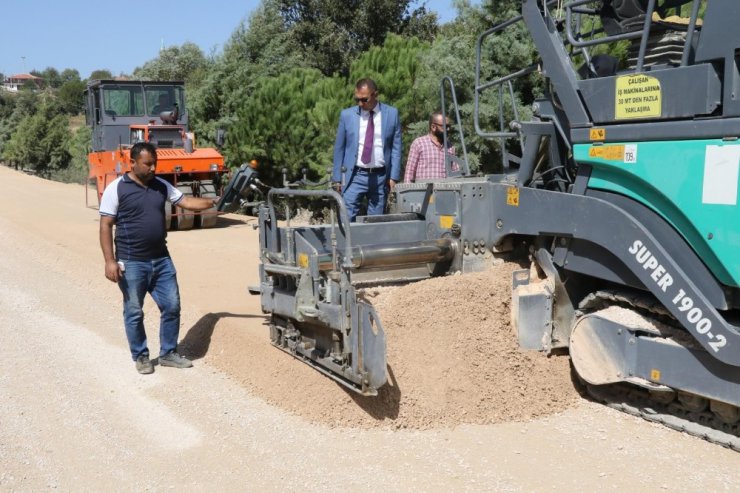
{"points": [[168, 215], [209, 218], [184, 219]]}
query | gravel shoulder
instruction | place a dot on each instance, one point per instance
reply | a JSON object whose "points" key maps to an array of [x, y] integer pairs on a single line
{"points": [[75, 416]]}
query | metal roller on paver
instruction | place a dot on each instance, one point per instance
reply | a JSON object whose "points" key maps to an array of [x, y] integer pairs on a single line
{"points": [[620, 193]]}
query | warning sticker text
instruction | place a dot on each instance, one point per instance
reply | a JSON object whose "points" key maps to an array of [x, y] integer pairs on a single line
{"points": [[637, 96]]}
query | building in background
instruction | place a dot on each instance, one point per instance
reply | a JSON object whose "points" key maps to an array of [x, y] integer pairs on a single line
{"points": [[15, 82]]}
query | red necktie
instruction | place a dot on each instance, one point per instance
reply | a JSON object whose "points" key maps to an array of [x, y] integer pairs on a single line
{"points": [[367, 149]]}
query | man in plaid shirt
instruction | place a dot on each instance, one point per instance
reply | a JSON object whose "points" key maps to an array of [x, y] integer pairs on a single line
{"points": [[426, 159]]}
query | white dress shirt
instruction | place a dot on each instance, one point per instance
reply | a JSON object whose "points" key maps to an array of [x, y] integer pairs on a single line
{"points": [[376, 159]]}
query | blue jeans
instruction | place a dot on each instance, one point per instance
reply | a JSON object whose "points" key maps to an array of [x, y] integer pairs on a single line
{"points": [[370, 185], [158, 278]]}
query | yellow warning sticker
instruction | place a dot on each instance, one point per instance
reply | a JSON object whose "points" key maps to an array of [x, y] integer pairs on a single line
{"points": [[597, 134], [610, 153], [445, 222], [655, 375], [512, 196], [637, 96], [302, 260]]}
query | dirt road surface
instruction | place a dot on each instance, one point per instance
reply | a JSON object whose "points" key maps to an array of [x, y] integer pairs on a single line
{"points": [[75, 416]]}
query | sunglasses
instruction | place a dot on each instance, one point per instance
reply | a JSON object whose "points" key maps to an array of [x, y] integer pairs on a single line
{"points": [[441, 125], [362, 100]]}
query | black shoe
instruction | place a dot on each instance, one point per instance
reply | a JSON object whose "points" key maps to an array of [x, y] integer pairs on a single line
{"points": [[175, 360], [143, 365]]}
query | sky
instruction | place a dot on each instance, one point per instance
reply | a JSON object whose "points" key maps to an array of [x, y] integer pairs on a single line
{"points": [[89, 35]]}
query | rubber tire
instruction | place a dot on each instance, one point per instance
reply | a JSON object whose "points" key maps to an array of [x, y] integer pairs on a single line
{"points": [[208, 220], [168, 215], [185, 219]]}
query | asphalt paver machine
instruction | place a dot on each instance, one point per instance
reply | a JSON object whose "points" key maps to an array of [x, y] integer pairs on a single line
{"points": [[623, 199]]}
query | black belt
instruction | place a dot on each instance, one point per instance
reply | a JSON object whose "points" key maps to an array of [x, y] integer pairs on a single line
{"points": [[370, 170]]}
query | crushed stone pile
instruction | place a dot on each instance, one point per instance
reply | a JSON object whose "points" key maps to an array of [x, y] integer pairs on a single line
{"points": [[452, 357]]}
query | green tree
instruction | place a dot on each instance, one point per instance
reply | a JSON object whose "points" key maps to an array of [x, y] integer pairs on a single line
{"points": [[26, 102], [260, 47], [331, 33], [39, 140], [421, 24], [7, 110], [7, 104], [68, 75], [101, 74], [51, 77], [71, 96], [185, 62], [10, 153], [453, 54], [289, 121], [54, 153], [78, 148], [18, 150], [394, 66], [29, 86], [16, 107]]}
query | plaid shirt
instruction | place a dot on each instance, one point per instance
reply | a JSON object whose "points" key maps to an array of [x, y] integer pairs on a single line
{"points": [[426, 160]]}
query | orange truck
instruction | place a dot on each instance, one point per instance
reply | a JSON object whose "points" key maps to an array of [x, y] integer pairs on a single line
{"points": [[122, 113]]}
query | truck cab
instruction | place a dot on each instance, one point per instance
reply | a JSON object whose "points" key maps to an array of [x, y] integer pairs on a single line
{"points": [[112, 107], [122, 113]]}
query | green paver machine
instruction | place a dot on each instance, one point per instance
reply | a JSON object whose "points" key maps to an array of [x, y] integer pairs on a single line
{"points": [[623, 197]]}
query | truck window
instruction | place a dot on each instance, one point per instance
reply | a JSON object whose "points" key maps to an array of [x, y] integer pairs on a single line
{"points": [[163, 98], [123, 101]]}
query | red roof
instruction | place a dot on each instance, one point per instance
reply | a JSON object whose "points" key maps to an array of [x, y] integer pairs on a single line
{"points": [[24, 76]]}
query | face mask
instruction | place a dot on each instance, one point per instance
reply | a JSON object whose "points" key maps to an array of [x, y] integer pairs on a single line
{"points": [[439, 134]]}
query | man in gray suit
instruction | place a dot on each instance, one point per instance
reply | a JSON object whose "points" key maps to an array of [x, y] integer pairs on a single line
{"points": [[368, 145]]}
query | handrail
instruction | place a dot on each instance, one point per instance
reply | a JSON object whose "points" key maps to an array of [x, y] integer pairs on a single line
{"points": [[501, 134], [645, 35], [582, 44], [574, 7], [478, 87], [458, 122], [331, 194], [691, 30]]}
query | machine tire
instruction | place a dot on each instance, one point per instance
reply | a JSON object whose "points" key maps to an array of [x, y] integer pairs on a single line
{"points": [[184, 219], [207, 220], [168, 215]]}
